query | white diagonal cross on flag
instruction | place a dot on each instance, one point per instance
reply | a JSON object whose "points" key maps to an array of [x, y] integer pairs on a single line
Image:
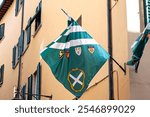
{"points": [[77, 80]]}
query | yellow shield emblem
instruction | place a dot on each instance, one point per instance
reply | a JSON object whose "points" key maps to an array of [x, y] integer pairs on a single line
{"points": [[76, 78]]}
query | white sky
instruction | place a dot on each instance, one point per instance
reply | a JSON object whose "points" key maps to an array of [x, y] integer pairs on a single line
{"points": [[133, 19], [1, 1]]}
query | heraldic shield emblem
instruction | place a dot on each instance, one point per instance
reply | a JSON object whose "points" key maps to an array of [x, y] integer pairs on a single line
{"points": [[78, 50], [76, 78], [67, 54], [91, 49]]}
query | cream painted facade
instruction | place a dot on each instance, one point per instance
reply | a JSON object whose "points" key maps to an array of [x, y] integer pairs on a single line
{"points": [[139, 82], [53, 22]]}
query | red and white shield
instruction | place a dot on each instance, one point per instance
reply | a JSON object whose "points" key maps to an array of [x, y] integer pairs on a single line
{"points": [[78, 50], [67, 54], [91, 49]]}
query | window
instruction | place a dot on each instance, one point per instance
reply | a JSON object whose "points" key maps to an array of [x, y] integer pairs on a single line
{"points": [[38, 16], [28, 30], [27, 36], [25, 41], [34, 84], [18, 50], [37, 19], [18, 6], [23, 92], [21, 45], [2, 29], [30, 88], [1, 75], [14, 56], [147, 11]]}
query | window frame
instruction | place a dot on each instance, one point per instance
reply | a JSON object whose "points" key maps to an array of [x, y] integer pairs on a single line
{"points": [[3, 30], [38, 19], [34, 84], [1, 75], [19, 50], [19, 4], [146, 5]]}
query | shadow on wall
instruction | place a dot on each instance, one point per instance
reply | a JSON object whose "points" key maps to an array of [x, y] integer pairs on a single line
{"points": [[140, 82]]}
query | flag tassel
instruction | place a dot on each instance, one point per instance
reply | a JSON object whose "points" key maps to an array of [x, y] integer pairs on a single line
{"points": [[123, 69]]}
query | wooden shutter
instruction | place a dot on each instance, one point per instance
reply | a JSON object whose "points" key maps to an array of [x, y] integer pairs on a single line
{"points": [[147, 11], [2, 28], [17, 7], [29, 31], [38, 15], [1, 74], [21, 44], [23, 92], [38, 82], [14, 57], [30, 88]]}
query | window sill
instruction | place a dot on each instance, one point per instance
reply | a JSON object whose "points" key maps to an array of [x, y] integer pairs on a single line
{"points": [[1, 83], [25, 50], [2, 39], [15, 65], [37, 30], [18, 11], [21, 56]]}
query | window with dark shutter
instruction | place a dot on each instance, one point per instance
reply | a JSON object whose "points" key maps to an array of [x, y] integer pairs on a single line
{"points": [[23, 92], [34, 84], [147, 11], [2, 29], [1, 75], [37, 19], [21, 44], [18, 6], [29, 31], [38, 16], [30, 88], [14, 57], [38, 82], [18, 50]]}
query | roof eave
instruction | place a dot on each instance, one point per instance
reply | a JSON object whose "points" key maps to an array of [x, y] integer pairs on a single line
{"points": [[4, 7]]}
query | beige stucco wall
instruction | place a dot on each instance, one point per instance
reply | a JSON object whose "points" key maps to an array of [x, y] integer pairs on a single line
{"points": [[12, 32], [140, 83], [94, 20]]}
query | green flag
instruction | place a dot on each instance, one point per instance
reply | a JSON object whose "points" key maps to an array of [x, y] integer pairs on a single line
{"points": [[138, 46], [74, 58]]}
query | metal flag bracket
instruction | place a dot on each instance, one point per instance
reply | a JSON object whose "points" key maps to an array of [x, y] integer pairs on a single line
{"points": [[123, 69], [65, 12]]}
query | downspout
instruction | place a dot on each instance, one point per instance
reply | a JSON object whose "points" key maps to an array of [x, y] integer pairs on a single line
{"points": [[110, 51], [20, 65]]}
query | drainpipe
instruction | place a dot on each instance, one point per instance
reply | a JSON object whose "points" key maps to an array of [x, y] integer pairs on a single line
{"points": [[17, 97], [110, 51]]}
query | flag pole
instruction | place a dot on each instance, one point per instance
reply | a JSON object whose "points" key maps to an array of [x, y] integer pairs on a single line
{"points": [[110, 50], [17, 96], [65, 13]]}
